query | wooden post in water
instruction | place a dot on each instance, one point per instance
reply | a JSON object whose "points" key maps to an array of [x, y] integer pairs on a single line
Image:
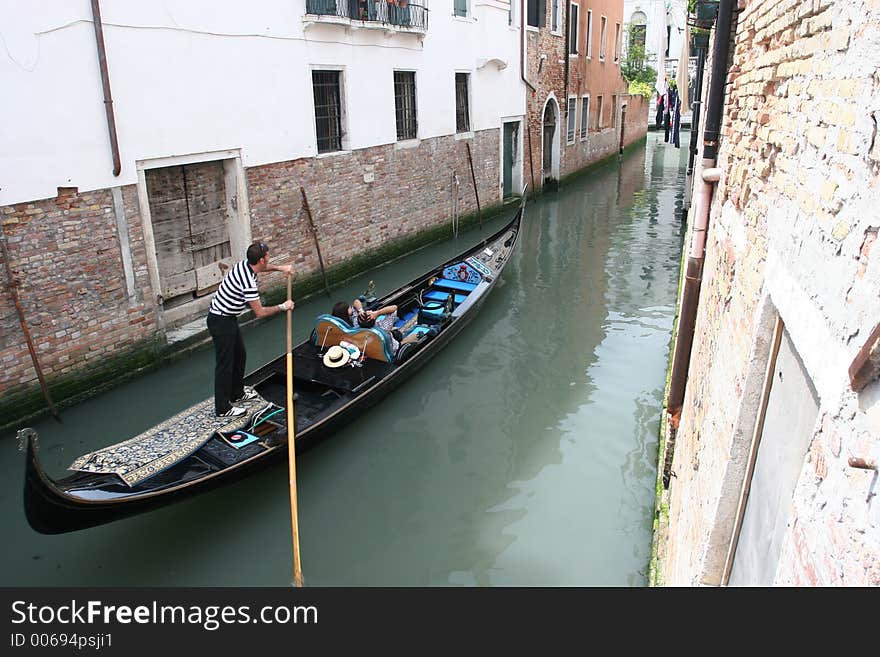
{"points": [[474, 179], [291, 450], [13, 290], [315, 237]]}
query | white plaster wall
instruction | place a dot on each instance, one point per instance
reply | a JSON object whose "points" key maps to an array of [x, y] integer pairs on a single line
{"points": [[193, 76]]}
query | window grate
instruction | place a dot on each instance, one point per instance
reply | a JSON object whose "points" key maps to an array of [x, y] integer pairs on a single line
{"points": [[571, 112], [585, 116], [462, 110], [328, 110], [405, 104]]}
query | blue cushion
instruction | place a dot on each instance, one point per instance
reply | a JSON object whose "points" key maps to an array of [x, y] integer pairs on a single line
{"points": [[458, 286], [437, 295], [403, 320]]}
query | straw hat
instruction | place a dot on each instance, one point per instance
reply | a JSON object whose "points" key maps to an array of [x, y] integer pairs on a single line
{"points": [[336, 356]]}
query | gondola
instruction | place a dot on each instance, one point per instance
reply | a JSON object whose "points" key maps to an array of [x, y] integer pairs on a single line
{"points": [[194, 451]]}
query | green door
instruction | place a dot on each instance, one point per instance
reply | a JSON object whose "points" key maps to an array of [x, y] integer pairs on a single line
{"points": [[509, 157]]}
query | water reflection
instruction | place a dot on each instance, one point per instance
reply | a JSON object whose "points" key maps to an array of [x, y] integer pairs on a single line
{"points": [[524, 453]]}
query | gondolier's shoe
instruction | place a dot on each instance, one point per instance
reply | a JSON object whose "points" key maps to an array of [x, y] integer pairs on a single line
{"points": [[234, 411], [249, 393]]}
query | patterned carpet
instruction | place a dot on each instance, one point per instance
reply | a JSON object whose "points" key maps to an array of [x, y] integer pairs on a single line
{"points": [[159, 448]]}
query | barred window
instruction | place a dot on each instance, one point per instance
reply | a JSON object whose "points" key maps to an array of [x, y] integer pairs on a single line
{"points": [[585, 116], [462, 108], [571, 111], [328, 110], [460, 7], [405, 104]]}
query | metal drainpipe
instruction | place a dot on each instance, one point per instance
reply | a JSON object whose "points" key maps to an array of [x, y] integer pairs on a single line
{"points": [[695, 127], [702, 200], [567, 49], [522, 46], [522, 73], [105, 82]]}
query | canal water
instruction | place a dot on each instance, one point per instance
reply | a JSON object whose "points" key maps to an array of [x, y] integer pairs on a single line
{"points": [[523, 454]]}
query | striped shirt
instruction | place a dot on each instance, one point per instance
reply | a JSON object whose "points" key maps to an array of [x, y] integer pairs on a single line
{"points": [[237, 288]]}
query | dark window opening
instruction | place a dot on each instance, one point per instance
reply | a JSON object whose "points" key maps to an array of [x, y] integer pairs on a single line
{"points": [[328, 110], [405, 104], [537, 13], [462, 109]]}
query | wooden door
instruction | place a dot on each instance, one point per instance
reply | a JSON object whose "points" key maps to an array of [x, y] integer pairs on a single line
{"points": [[188, 212]]}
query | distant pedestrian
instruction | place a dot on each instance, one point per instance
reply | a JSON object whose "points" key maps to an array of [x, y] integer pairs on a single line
{"points": [[237, 291]]}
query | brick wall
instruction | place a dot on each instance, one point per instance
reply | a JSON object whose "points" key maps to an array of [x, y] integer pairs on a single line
{"points": [[411, 190], [791, 229], [66, 257], [551, 79], [66, 253]]}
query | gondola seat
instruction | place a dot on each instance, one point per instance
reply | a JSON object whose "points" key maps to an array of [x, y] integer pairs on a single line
{"points": [[330, 330]]}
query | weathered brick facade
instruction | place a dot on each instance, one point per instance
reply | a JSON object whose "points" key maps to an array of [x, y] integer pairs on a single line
{"points": [[549, 81], [791, 230], [411, 191], [66, 253], [549, 64]]}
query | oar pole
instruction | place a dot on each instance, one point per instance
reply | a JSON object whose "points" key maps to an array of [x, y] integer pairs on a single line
{"points": [[291, 451]]}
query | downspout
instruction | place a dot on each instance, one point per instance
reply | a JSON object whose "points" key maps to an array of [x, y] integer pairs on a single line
{"points": [[522, 46], [704, 186], [567, 56], [105, 82], [522, 73], [695, 125]]}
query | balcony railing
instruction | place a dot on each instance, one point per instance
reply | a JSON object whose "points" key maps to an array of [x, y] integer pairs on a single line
{"points": [[399, 13]]}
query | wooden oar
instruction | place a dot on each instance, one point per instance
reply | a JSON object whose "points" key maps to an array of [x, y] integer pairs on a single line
{"points": [[291, 450]]}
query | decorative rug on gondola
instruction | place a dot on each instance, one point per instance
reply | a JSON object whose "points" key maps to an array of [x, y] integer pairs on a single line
{"points": [[159, 448]]}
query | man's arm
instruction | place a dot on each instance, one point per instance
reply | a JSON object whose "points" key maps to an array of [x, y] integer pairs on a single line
{"points": [[263, 311], [287, 269]]}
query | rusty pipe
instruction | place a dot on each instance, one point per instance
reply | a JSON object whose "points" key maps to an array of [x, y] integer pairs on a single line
{"points": [[861, 464], [522, 47], [105, 83], [705, 184]]}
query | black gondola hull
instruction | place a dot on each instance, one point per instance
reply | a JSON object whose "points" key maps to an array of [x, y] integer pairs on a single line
{"points": [[55, 507]]}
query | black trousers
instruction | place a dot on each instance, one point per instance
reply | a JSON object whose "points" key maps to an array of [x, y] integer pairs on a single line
{"points": [[230, 360]]}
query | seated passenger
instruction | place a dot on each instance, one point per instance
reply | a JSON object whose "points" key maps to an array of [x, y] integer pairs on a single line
{"points": [[355, 315]]}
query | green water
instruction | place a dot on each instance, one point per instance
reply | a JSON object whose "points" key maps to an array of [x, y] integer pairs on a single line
{"points": [[522, 454]]}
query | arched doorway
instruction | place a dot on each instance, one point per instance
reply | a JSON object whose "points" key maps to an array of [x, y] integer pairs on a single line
{"points": [[550, 142]]}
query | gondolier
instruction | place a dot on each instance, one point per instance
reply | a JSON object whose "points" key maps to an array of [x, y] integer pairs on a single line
{"points": [[237, 291]]}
